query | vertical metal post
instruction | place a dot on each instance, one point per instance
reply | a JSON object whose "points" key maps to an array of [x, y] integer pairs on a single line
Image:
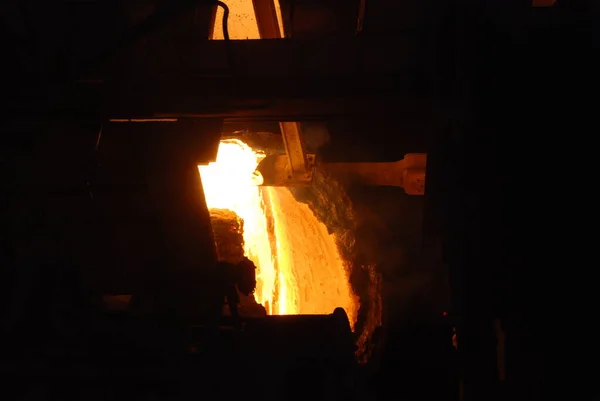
{"points": [[268, 27], [292, 140], [266, 19]]}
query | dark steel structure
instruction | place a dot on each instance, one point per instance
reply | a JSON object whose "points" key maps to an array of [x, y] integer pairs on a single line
{"points": [[111, 105]]}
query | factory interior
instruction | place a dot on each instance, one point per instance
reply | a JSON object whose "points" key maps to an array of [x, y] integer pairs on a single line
{"points": [[298, 199]]}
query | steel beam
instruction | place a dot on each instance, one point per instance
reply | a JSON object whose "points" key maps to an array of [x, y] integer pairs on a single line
{"points": [[266, 19], [305, 109], [270, 78]]}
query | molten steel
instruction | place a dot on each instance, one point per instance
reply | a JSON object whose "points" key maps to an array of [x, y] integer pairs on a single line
{"points": [[299, 269]]}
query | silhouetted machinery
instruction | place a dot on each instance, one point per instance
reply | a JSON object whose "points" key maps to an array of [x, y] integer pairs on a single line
{"points": [[283, 357], [120, 101], [107, 253]]}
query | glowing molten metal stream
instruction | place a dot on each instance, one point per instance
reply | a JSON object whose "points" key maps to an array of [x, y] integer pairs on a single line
{"points": [[299, 269], [230, 183]]}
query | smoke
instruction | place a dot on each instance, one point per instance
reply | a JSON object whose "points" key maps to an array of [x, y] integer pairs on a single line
{"points": [[315, 136], [328, 199]]}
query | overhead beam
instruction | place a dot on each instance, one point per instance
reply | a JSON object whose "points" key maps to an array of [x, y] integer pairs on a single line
{"points": [[284, 109], [272, 57], [269, 78]]}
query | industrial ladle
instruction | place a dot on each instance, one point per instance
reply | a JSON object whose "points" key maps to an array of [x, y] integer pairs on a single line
{"points": [[296, 168]]}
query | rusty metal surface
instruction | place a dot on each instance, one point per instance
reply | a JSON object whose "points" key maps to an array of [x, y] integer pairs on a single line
{"points": [[298, 169]]}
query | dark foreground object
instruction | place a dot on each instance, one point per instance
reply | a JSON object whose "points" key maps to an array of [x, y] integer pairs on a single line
{"points": [[117, 358]]}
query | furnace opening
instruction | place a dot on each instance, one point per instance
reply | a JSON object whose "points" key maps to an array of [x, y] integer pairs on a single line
{"points": [[303, 239], [299, 266]]}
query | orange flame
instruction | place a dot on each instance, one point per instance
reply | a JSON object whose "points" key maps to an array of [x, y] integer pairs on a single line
{"points": [[230, 183]]}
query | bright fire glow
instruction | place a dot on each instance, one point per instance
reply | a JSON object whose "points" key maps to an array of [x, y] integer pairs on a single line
{"points": [[299, 269], [242, 20], [230, 183]]}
